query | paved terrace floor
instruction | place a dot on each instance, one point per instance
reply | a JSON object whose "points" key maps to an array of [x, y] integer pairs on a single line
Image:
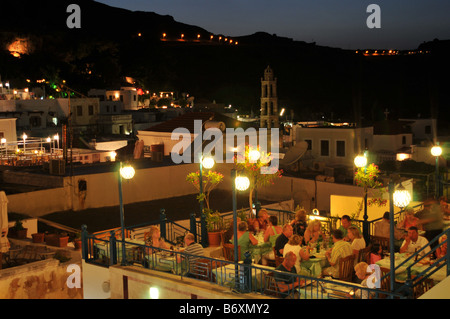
{"points": [[177, 209]]}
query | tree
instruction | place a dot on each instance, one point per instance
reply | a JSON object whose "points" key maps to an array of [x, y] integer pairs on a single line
{"points": [[210, 180], [251, 166], [367, 177]]}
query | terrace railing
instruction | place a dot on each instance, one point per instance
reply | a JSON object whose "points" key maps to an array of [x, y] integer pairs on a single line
{"points": [[242, 277]]}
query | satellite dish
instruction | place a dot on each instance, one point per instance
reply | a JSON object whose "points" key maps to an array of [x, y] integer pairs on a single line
{"points": [[294, 153]]}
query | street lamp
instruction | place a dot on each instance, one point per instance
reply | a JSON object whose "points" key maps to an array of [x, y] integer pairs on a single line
{"points": [[400, 198], [127, 172], [436, 151], [208, 163], [361, 162], [24, 137], [240, 183]]}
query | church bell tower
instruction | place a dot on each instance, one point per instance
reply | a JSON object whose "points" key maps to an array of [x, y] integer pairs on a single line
{"points": [[269, 100]]}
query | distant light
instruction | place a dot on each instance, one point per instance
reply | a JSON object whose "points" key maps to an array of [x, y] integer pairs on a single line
{"points": [[49, 139], [182, 35], [112, 155], [403, 156], [164, 35], [315, 211], [282, 112], [198, 36], [3, 140], [154, 293], [139, 34]]}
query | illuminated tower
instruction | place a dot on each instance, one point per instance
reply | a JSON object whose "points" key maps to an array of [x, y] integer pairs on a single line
{"points": [[269, 100]]}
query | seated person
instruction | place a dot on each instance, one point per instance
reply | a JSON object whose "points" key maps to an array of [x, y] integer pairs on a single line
{"points": [[294, 245], [299, 224], [191, 248], [286, 283], [283, 239], [441, 250], [345, 224], [313, 232], [245, 239], [409, 220], [413, 242], [363, 273], [270, 235], [383, 229], [261, 223], [340, 250]]}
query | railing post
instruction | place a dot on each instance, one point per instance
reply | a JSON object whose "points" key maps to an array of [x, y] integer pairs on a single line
{"points": [[113, 249], [204, 230], [163, 219], [246, 276], [193, 226], [84, 243]]}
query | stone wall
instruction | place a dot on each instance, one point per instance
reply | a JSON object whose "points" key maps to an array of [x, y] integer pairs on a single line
{"points": [[45, 279]]}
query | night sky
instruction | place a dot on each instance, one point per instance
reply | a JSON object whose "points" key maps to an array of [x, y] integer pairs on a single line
{"points": [[404, 23]]}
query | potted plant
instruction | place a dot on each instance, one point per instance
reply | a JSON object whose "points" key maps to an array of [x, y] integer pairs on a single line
{"points": [[38, 237], [77, 241], [57, 240], [18, 231], [214, 225]]}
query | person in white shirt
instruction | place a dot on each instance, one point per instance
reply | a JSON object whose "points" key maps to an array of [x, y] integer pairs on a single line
{"points": [[294, 246], [413, 242]]}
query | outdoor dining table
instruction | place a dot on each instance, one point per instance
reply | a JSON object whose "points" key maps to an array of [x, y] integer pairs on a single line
{"points": [[401, 273], [257, 251], [316, 264]]}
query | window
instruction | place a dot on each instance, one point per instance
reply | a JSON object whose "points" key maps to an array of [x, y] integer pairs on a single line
{"points": [[107, 109], [121, 98], [403, 140], [324, 148], [340, 148], [134, 97], [115, 108], [309, 144], [91, 110], [35, 121], [79, 110], [428, 129]]}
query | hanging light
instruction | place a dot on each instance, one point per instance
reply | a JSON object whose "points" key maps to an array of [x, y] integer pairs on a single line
{"points": [[360, 161], [436, 150], [127, 171], [242, 183], [401, 197], [208, 162]]}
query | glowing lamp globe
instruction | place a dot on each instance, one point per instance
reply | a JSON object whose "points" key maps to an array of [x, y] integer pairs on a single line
{"points": [[242, 183], [401, 197], [208, 162], [127, 172], [360, 161], [254, 155], [436, 151]]}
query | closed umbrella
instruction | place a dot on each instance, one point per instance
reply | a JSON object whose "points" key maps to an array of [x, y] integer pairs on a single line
{"points": [[4, 242]]}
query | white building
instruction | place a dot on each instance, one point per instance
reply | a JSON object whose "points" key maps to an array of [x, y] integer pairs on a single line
{"points": [[127, 95], [333, 145]]}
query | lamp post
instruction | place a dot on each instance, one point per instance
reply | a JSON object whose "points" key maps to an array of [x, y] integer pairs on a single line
{"points": [[400, 198], [208, 163], [126, 172], [24, 137], [240, 183], [436, 151], [360, 162]]}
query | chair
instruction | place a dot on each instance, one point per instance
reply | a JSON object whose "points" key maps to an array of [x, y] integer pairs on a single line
{"points": [[278, 260], [422, 286], [202, 269], [383, 241], [364, 255], [228, 251], [346, 268], [385, 283], [270, 285]]}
